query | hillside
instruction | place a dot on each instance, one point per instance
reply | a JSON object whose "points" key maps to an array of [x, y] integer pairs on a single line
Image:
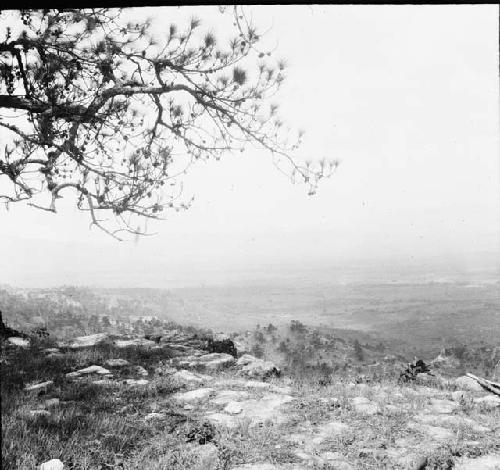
{"points": [[176, 401]]}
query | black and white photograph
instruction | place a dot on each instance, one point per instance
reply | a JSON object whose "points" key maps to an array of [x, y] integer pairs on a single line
{"points": [[250, 237]]}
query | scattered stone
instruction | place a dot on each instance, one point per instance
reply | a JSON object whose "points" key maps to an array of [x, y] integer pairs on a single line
{"points": [[364, 406], [53, 464], [212, 361], [54, 355], [329, 430], [258, 466], [89, 370], [51, 350], [453, 420], [206, 457], [331, 455], [135, 382], [89, 341], [139, 370], [267, 408], [197, 395], [117, 362], [185, 377], [37, 413], [233, 408], [52, 402], [443, 406], [105, 382], [488, 401], [163, 371], [135, 342], [434, 432], [38, 386], [21, 342], [226, 396], [467, 383], [486, 462]]}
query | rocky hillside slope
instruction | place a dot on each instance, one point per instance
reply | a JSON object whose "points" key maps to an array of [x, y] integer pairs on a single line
{"points": [[183, 401]]}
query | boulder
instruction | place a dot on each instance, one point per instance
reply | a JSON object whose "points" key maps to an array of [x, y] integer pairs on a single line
{"points": [[489, 401], [53, 464], [253, 367], [467, 383]]}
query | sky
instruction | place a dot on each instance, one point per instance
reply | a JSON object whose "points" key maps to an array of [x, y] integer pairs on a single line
{"points": [[406, 97]]}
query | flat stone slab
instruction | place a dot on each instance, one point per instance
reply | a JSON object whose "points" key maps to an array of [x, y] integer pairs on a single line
{"points": [[453, 420], [328, 430], [434, 432], [193, 396], [89, 370], [89, 341], [226, 396], [186, 377], [233, 408], [212, 361], [255, 410], [363, 405], [443, 406]]}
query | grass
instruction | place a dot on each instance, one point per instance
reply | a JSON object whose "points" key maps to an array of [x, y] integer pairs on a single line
{"points": [[90, 429], [104, 427]]}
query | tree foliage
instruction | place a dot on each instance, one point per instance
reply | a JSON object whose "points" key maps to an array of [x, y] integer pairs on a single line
{"points": [[105, 108]]}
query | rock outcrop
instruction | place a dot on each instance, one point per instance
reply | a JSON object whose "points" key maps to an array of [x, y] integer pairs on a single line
{"points": [[251, 366]]}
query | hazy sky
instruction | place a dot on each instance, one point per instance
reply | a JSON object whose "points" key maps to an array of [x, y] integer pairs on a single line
{"points": [[407, 97]]}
